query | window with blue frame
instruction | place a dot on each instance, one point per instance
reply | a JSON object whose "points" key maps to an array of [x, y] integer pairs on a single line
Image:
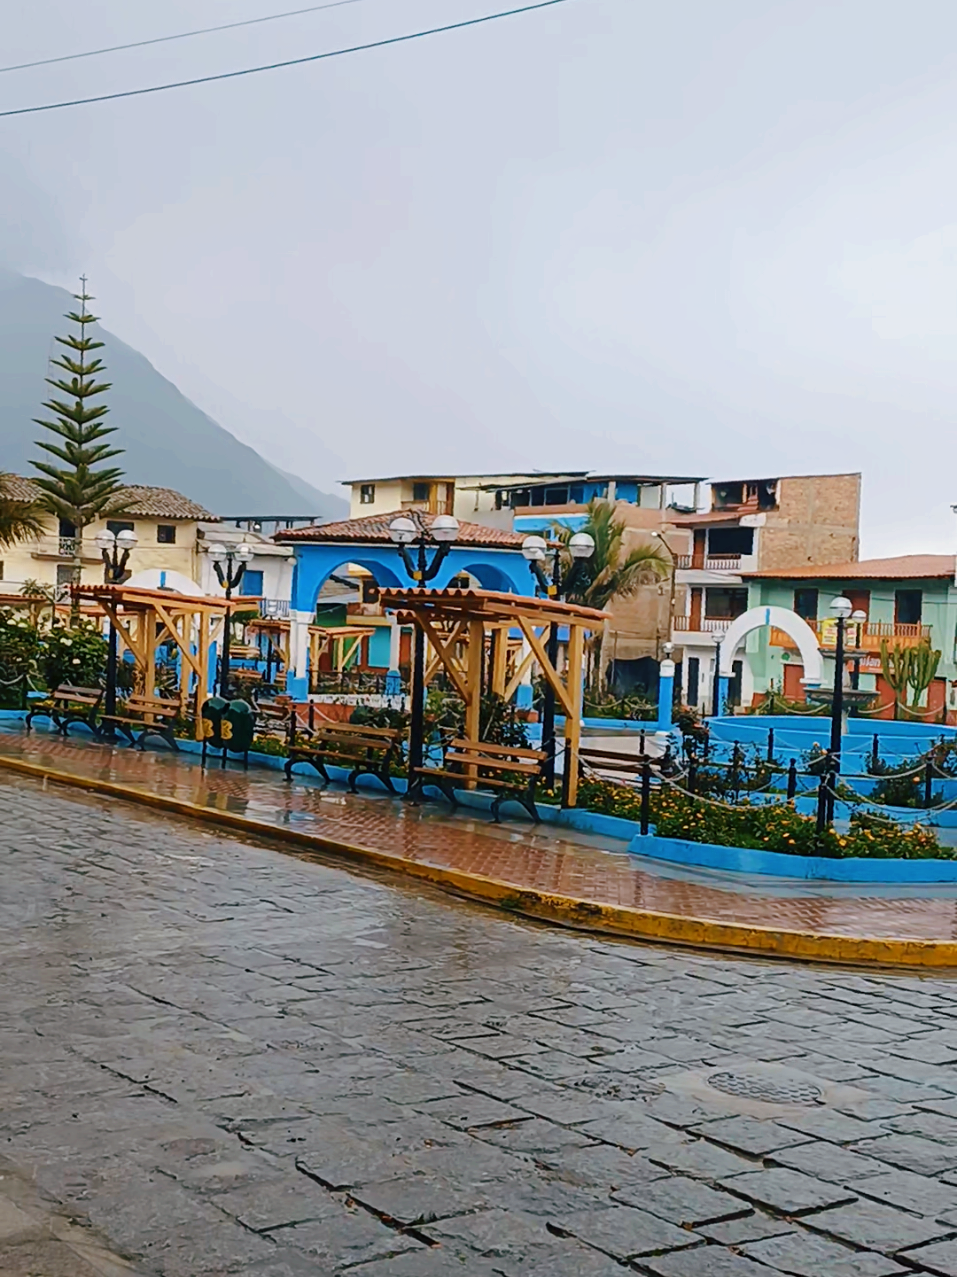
{"points": [[252, 583]]}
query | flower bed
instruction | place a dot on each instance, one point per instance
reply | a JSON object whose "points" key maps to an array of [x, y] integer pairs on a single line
{"points": [[768, 827]]}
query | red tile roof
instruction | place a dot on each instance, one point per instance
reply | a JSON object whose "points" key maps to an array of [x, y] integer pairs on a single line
{"points": [[138, 500], [374, 529], [905, 567]]}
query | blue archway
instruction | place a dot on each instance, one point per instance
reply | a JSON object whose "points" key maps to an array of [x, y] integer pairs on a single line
{"points": [[495, 568]]}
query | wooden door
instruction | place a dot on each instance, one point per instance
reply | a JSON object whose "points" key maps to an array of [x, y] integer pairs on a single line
{"points": [[695, 621], [700, 544]]}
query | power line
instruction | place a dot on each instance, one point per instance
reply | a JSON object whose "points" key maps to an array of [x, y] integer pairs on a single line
{"points": [[181, 35], [277, 66]]}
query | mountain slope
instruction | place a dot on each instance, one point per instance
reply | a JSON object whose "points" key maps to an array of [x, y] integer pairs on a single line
{"points": [[169, 442]]}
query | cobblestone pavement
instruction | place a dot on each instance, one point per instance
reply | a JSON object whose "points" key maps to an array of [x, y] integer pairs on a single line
{"points": [[227, 1060], [534, 859]]}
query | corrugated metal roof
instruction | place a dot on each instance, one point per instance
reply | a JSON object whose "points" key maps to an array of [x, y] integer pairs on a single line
{"points": [[905, 567]]}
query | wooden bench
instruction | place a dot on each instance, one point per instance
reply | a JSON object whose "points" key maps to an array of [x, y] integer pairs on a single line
{"points": [[609, 760], [367, 750], [68, 704], [276, 719], [512, 772], [138, 717]]}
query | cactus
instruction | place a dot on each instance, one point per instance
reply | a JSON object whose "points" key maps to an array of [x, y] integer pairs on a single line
{"points": [[923, 669], [896, 669], [914, 667]]}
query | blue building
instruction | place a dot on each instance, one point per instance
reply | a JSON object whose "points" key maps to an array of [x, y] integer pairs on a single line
{"points": [[486, 557]]}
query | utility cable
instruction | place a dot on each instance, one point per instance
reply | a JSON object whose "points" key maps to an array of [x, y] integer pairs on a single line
{"points": [[180, 35], [291, 62]]}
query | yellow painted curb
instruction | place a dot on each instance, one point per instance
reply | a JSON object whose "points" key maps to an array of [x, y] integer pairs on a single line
{"points": [[639, 924]]}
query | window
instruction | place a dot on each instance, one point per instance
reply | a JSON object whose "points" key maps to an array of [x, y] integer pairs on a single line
{"points": [[166, 534], [730, 541], [1, 571], [118, 525], [64, 574], [727, 494], [366, 493], [421, 491], [805, 603], [725, 604], [252, 583], [908, 605], [67, 529], [370, 590]]}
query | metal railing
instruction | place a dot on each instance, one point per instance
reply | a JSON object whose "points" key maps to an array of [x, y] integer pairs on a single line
{"points": [[274, 607], [67, 547], [702, 625], [709, 562]]}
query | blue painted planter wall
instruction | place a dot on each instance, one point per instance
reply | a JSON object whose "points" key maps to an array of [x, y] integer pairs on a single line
{"points": [[776, 864]]}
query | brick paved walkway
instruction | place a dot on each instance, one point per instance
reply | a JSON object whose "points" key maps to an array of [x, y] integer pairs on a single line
{"points": [[531, 859], [229, 1061]]}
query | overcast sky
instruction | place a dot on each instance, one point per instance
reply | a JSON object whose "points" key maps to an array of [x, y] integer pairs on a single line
{"points": [[685, 237]]}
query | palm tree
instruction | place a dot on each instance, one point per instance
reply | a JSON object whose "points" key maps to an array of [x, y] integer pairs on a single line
{"points": [[609, 573], [20, 520]]}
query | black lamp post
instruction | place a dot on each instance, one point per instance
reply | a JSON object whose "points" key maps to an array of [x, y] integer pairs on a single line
{"points": [[438, 538], [537, 551], [115, 549], [230, 565], [843, 610]]}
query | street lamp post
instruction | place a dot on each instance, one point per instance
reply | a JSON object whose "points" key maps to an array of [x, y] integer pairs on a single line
{"points": [[843, 610], [229, 565], [438, 539], [115, 549], [660, 536], [537, 551]]}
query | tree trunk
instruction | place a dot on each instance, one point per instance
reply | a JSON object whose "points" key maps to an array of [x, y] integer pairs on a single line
{"points": [[76, 575]]}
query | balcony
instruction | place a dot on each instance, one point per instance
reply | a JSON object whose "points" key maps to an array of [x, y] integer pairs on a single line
{"points": [[702, 625], [274, 608], [865, 636], [709, 562]]}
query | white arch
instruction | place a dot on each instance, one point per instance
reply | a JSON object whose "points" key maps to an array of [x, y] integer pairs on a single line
{"points": [[159, 579], [784, 619]]}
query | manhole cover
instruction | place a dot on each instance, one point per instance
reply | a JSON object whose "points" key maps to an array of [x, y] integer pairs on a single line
{"points": [[749, 1087]]}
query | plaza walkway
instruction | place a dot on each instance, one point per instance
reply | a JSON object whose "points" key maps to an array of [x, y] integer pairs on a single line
{"points": [[471, 852], [220, 1061]]}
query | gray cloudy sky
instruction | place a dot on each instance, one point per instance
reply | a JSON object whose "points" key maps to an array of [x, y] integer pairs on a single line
{"points": [[693, 236]]}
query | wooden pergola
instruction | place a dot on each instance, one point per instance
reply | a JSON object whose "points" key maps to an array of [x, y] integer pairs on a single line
{"points": [[344, 641], [455, 623], [148, 619]]}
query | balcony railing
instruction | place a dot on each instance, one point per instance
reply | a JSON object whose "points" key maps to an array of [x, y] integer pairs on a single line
{"points": [[702, 625], [864, 636], [274, 607], [67, 547], [709, 562]]}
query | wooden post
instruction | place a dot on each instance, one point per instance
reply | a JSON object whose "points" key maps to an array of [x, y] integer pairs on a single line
{"points": [[473, 683], [574, 672], [499, 659]]}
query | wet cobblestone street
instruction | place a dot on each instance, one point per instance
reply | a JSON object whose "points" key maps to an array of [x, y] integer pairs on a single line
{"points": [[224, 1059]]}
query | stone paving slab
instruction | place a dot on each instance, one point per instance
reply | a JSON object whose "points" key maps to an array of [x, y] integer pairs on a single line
{"points": [[531, 859], [163, 1082]]}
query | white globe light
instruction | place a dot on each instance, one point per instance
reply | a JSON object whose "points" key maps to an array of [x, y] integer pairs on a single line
{"points": [[445, 528], [244, 553], [402, 530], [534, 548], [842, 606], [859, 616], [126, 539], [105, 540], [582, 546]]}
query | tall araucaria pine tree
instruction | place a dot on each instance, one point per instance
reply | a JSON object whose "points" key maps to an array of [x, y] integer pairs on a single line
{"points": [[76, 485]]}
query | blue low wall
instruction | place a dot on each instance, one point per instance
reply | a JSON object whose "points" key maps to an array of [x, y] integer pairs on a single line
{"points": [[795, 734], [703, 855]]}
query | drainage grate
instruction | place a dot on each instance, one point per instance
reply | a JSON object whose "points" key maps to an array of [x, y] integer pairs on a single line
{"points": [[749, 1087]]}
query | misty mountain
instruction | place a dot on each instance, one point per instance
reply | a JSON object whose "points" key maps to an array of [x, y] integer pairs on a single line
{"points": [[168, 441]]}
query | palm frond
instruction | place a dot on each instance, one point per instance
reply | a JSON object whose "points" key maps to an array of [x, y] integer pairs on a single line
{"points": [[19, 520]]}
